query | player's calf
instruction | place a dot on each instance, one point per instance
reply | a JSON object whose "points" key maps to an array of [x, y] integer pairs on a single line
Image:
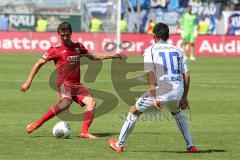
{"points": [[88, 115]]}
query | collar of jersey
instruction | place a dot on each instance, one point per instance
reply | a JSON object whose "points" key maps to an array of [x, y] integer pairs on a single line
{"points": [[162, 42]]}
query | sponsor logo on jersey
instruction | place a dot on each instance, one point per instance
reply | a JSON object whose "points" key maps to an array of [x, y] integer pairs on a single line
{"points": [[73, 58], [77, 50]]}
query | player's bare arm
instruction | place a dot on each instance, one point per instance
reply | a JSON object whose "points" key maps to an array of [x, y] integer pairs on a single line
{"points": [[108, 55], [186, 80], [152, 90], [32, 74]]}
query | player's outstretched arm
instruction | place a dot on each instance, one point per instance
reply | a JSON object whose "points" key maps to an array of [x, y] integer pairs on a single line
{"points": [[107, 55], [186, 80], [32, 74]]}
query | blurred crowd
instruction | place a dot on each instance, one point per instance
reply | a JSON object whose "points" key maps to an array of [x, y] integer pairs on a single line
{"points": [[137, 16], [208, 12]]}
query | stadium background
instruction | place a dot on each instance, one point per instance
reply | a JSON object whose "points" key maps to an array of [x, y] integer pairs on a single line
{"points": [[23, 16], [213, 96]]}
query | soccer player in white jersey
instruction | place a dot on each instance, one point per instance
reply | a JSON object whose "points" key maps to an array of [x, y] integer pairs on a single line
{"points": [[168, 83]]}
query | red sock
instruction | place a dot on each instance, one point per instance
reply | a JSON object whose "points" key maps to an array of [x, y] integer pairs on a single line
{"points": [[54, 110], [87, 120]]}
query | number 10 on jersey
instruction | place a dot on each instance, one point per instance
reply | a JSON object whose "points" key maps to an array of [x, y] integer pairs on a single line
{"points": [[173, 60]]}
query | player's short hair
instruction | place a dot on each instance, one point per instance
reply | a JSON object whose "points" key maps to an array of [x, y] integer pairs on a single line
{"points": [[161, 30], [64, 26]]}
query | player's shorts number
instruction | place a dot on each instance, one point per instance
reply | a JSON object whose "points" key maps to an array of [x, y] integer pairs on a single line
{"points": [[173, 60]]}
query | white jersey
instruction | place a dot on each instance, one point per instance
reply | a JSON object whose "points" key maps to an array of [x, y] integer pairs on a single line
{"points": [[168, 64]]}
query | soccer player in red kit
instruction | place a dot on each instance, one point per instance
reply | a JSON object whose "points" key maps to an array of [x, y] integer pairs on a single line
{"points": [[66, 56]]}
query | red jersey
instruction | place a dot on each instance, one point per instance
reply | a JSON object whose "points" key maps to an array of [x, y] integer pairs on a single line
{"points": [[67, 61]]}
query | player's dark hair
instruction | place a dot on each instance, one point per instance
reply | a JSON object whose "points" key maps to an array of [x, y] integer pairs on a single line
{"points": [[161, 31], [64, 26]]}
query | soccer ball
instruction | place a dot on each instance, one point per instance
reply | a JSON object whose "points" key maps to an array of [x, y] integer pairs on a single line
{"points": [[61, 130]]}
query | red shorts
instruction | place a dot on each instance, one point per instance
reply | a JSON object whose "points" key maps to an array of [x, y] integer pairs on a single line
{"points": [[75, 92]]}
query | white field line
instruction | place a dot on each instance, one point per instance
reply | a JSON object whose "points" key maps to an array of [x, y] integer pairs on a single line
{"points": [[197, 84]]}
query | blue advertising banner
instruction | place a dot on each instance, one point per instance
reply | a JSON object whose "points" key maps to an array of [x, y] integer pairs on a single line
{"points": [[28, 22], [232, 22]]}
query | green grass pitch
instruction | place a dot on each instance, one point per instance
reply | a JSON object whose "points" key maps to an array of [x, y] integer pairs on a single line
{"points": [[213, 96]]}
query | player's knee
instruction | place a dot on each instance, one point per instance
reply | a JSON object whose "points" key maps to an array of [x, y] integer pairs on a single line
{"points": [[65, 103], [134, 111], [91, 103], [175, 112], [179, 116], [68, 101]]}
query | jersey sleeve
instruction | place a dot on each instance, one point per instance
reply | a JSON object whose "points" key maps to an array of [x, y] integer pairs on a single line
{"points": [[183, 65], [148, 61], [83, 50], [50, 54]]}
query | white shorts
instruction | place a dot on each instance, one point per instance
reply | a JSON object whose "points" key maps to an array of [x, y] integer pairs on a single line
{"points": [[145, 105]]}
